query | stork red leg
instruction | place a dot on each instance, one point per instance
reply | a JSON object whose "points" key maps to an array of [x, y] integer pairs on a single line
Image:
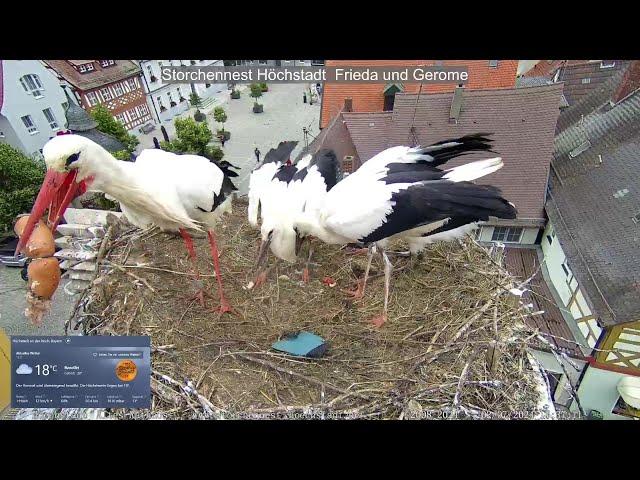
{"points": [[188, 241], [381, 319], [224, 304]]}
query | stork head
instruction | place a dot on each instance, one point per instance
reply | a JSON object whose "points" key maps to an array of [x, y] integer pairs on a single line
{"points": [[281, 238], [69, 161]]}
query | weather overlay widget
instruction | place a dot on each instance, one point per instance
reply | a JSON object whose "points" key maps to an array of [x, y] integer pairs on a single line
{"points": [[80, 372]]}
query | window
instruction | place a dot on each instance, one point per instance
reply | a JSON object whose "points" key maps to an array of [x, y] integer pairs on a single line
{"points": [[133, 114], [636, 218], [493, 63], [86, 67], [193, 62], [90, 67], [262, 62], [82, 69], [120, 117], [565, 267], [583, 147], [107, 63], [180, 96], [162, 107], [170, 96], [152, 77], [507, 234], [92, 98], [32, 85], [607, 64], [48, 114], [65, 105], [106, 94], [389, 101], [118, 89], [586, 80], [29, 124], [132, 83]]}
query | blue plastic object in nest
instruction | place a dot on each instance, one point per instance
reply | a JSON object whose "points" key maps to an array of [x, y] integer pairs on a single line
{"points": [[304, 344]]}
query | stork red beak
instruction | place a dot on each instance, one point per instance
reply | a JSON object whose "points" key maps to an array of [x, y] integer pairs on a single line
{"points": [[56, 193]]}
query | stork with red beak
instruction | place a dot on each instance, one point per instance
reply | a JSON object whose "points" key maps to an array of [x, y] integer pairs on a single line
{"points": [[173, 192]]}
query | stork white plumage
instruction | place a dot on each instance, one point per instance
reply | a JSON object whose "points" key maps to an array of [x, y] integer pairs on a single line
{"points": [[174, 192], [290, 195], [400, 193]]}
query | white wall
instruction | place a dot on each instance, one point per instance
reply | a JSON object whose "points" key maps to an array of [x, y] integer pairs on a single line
{"points": [[548, 362], [159, 89], [598, 391], [565, 283], [18, 103]]}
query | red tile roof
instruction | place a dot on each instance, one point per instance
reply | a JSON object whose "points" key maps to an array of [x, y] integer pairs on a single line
{"points": [[368, 97]]}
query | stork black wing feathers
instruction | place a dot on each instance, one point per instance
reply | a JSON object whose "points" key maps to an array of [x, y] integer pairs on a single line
{"points": [[431, 201], [279, 154], [328, 166], [445, 150]]}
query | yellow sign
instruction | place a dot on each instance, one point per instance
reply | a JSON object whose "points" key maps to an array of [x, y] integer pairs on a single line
{"points": [[5, 371]]}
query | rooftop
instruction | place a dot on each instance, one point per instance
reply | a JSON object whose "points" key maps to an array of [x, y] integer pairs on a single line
{"points": [[594, 206], [97, 78], [522, 120]]}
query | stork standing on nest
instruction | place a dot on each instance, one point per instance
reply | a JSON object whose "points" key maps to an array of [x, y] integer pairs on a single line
{"points": [[312, 178], [400, 193], [174, 192]]}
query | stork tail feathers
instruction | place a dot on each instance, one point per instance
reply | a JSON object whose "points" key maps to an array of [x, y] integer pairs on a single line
{"points": [[474, 170], [443, 151]]}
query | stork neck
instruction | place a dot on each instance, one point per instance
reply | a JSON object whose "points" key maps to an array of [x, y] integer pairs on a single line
{"points": [[110, 175]]}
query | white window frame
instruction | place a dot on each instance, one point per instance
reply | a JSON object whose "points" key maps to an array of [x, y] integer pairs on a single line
{"points": [[493, 63], [92, 99], [36, 89], [29, 124], [116, 87], [603, 64], [82, 68], [90, 67], [505, 233], [262, 62], [51, 118], [133, 114], [121, 118], [108, 95], [133, 85], [586, 80]]}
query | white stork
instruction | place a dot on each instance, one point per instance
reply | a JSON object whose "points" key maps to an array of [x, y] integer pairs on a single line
{"points": [[261, 177], [312, 178], [174, 192], [400, 193]]}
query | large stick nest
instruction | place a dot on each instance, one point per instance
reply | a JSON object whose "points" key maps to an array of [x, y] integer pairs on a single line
{"points": [[454, 344]]}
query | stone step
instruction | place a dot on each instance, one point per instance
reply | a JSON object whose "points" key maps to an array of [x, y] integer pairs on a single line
{"points": [[76, 286], [75, 230], [63, 242], [88, 216], [84, 276], [69, 254], [74, 265]]}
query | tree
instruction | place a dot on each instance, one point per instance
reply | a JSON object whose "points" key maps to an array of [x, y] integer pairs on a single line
{"points": [[193, 137], [256, 91], [20, 181], [220, 116], [109, 125], [195, 100]]}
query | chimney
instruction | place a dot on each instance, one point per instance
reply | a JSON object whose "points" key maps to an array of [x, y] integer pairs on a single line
{"points": [[456, 105], [348, 104]]}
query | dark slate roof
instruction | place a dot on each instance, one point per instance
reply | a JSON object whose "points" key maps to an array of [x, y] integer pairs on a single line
{"points": [[97, 78], [593, 216], [522, 120], [81, 123], [335, 137], [532, 81], [598, 99], [524, 263], [574, 73]]}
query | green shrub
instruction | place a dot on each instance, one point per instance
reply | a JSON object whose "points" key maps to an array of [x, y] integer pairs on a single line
{"points": [[192, 137], [220, 116], [20, 181], [109, 125]]}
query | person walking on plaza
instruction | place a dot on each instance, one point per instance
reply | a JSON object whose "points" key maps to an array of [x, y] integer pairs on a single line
{"points": [[257, 153], [222, 139]]}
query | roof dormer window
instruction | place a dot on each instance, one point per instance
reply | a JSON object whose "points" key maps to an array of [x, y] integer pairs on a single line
{"points": [[107, 63], [86, 67]]}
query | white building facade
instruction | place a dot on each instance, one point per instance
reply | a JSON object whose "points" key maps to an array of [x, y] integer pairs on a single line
{"points": [[168, 100], [32, 105]]}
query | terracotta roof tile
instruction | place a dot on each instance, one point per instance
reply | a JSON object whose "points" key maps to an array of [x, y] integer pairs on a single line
{"points": [[101, 76]]}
